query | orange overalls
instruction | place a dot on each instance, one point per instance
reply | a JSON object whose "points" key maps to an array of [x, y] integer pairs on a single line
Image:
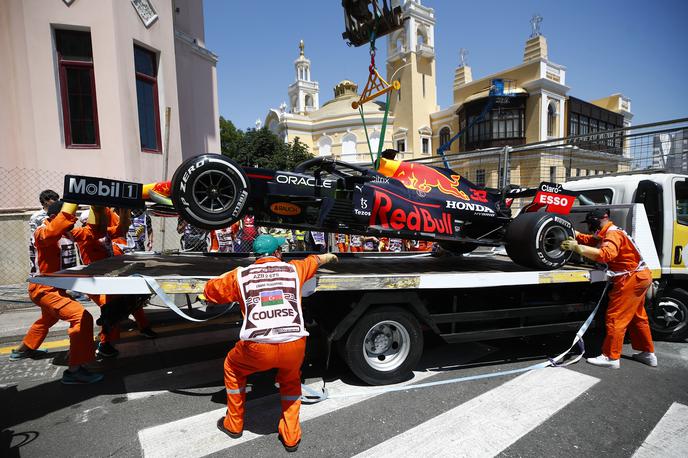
{"points": [[95, 249], [626, 308], [249, 356], [55, 303]]}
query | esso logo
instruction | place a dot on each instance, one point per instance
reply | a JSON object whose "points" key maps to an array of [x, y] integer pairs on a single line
{"points": [[549, 199], [285, 209]]}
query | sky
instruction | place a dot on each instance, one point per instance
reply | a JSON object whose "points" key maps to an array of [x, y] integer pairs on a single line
{"points": [[636, 47]]}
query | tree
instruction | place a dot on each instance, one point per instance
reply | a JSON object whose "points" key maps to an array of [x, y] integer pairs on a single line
{"points": [[260, 148], [230, 137]]}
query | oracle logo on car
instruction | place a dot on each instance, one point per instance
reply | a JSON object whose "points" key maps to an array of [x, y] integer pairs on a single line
{"points": [[409, 215], [285, 209]]}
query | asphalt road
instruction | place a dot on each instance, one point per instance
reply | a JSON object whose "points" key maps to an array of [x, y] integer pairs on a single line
{"points": [[162, 397]]}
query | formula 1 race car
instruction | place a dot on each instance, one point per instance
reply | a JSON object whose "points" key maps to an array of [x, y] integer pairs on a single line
{"points": [[407, 200]]}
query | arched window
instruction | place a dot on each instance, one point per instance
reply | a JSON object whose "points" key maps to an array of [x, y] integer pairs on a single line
{"points": [[445, 135], [309, 101], [421, 36], [551, 119], [325, 146], [349, 146]]}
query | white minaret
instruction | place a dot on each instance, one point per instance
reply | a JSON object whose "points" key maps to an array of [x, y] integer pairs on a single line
{"points": [[303, 93]]}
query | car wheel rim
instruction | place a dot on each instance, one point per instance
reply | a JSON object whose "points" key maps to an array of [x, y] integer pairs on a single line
{"points": [[386, 346], [551, 241], [669, 315], [214, 191]]}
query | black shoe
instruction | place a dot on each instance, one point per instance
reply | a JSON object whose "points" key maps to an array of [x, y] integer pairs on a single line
{"points": [[106, 350], [289, 448], [221, 427], [148, 332]]}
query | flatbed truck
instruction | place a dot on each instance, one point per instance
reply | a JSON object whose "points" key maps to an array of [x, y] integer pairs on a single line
{"points": [[376, 308]]}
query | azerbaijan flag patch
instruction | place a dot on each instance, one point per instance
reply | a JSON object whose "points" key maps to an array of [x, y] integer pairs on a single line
{"points": [[268, 298]]}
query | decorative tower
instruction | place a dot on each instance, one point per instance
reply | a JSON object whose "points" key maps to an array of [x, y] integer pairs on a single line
{"points": [[463, 74], [411, 60], [303, 93]]}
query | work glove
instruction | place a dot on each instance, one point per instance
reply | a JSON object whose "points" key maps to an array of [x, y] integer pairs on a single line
{"points": [[327, 258], [570, 244]]}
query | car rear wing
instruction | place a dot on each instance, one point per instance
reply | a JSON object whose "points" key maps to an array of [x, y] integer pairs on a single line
{"points": [[552, 196]]}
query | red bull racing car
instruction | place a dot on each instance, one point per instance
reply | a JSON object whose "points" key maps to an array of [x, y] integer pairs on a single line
{"points": [[407, 200], [400, 199]]}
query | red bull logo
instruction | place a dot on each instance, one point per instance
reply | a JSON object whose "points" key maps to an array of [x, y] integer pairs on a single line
{"points": [[423, 178], [411, 215]]}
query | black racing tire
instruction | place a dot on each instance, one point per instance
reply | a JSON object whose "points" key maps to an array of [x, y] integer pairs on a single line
{"points": [[533, 239], [383, 346], [668, 315], [210, 191], [458, 247]]}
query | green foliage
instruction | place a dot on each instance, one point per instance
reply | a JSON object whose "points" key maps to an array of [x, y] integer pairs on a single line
{"points": [[260, 148]]}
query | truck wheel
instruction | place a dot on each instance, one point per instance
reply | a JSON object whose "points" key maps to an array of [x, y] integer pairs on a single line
{"points": [[384, 346], [669, 315], [533, 239], [210, 191]]}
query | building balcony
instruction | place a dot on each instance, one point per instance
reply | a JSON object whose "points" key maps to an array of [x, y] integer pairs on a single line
{"points": [[425, 50]]}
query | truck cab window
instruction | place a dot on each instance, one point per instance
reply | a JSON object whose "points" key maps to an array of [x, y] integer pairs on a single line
{"points": [[594, 197], [681, 194]]}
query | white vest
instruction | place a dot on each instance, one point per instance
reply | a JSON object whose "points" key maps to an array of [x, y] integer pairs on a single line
{"points": [[271, 292]]}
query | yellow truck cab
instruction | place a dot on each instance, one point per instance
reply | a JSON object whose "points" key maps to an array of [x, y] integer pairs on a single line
{"points": [[665, 197]]}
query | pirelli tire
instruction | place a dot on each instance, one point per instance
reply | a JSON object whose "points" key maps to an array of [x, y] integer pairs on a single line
{"points": [[383, 346], [210, 191], [668, 315], [533, 240]]}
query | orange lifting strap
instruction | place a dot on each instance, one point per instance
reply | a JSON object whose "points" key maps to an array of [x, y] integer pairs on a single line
{"points": [[375, 83]]}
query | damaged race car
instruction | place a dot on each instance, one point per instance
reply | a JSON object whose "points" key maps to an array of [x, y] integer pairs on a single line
{"points": [[407, 200]]}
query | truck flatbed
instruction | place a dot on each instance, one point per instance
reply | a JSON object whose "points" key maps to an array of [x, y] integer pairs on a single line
{"points": [[187, 273]]}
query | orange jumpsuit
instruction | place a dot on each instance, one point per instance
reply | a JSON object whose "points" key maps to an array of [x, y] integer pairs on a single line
{"points": [[95, 249], [626, 308], [250, 356], [342, 244], [56, 304]]}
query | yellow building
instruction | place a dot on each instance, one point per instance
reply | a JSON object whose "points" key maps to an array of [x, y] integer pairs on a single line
{"points": [[537, 108]]}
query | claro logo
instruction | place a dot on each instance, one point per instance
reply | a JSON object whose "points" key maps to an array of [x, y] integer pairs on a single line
{"points": [[103, 188], [285, 209]]}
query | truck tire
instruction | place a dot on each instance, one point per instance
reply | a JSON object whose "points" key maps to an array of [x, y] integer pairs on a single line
{"points": [[668, 315], [533, 239], [383, 346], [210, 191]]}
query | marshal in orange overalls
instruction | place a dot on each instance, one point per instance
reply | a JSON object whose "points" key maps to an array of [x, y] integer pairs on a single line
{"points": [[626, 308], [255, 352], [56, 304]]}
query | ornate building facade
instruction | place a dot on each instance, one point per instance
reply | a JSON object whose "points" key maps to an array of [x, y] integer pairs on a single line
{"points": [[537, 108]]}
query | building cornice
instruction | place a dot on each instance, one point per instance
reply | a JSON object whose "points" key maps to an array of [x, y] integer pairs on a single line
{"points": [[545, 84], [192, 43]]}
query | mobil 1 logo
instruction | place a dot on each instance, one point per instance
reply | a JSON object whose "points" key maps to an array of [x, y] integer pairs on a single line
{"points": [[103, 191]]}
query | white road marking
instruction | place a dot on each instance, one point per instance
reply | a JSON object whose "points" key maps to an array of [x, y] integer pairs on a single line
{"points": [[669, 438], [491, 422], [198, 435]]}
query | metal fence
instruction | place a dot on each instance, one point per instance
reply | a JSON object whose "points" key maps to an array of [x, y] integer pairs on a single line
{"points": [[652, 146]]}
